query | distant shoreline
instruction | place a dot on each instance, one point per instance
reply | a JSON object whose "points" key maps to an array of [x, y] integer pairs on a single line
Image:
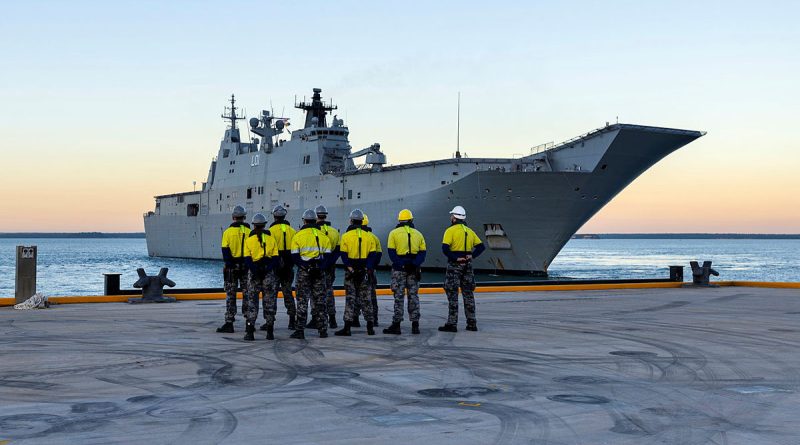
{"points": [[686, 236], [109, 235], [82, 235]]}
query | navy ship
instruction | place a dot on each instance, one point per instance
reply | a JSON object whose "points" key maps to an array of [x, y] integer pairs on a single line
{"points": [[524, 208]]}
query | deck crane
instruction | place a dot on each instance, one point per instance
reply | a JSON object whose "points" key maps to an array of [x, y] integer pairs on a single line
{"points": [[374, 156]]}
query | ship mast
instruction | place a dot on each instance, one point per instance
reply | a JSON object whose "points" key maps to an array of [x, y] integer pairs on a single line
{"points": [[230, 113], [316, 109]]}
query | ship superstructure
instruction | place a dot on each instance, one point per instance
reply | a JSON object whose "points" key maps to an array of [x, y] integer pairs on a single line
{"points": [[525, 208]]}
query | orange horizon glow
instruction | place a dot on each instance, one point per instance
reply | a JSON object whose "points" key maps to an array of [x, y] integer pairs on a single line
{"points": [[105, 107]]}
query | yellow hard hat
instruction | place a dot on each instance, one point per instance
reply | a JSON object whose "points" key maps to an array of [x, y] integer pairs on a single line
{"points": [[405, 215], [365, 221]]}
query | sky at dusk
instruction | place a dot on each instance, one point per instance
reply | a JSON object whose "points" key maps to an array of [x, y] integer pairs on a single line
{"points": [[106, 104]]}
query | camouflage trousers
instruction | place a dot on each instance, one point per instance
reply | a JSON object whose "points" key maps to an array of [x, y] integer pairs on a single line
{"points": [[265, 285], [405, 283], [284, 278], [235, 279], [373, 297], [311, 286], [459, 275], [330, 302], [357, 289]]}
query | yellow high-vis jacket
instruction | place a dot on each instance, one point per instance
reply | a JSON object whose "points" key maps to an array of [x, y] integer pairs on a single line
{"points": [[233, 243], [311, 246], [460, 241], [406, 246], [359, 248]]}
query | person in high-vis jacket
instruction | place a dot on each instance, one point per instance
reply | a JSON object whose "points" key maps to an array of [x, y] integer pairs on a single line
{"points": [[330, 273], [460, 244], [359, 254], [260, 257], [311, 250], [373, 280], [234, 272], [406, 248], [282, 232]]}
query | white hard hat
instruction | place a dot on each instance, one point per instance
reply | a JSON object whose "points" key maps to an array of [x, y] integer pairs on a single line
{"points": [[459, 212], [259, 218], [239, 212], [357, 215], [309, 215]]}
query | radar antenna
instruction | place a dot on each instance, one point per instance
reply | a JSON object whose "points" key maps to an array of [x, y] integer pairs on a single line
{"points": [[230, 113]]}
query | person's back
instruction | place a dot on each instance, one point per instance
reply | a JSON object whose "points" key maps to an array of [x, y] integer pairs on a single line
{"points": [[407, 250], [283, 234], [260, 254], [373, 279], [359, 256], [460, 244], [330, 272], [311, 250], [234, 273]]}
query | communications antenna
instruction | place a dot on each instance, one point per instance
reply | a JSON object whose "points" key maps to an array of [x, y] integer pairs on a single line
{"points": [[458, 128]]}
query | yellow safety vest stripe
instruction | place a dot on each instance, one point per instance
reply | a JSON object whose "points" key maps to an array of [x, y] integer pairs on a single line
{"points": [[282, 234], [357, 244], [233, 238], [405, 240], [460, 238], [309, 244], [258, 247]]}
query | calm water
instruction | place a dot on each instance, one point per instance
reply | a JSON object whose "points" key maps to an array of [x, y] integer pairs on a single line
{"points": [[76, 266]]}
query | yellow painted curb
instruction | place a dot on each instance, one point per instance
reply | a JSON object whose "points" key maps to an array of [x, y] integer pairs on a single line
{"points": [[768, 284], [434, 290]]}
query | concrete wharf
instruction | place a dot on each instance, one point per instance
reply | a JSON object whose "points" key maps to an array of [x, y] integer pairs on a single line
{"points": [[609, 366]]}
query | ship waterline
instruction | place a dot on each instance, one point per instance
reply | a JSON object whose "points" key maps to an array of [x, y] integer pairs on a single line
{"points": [[525, 209]]}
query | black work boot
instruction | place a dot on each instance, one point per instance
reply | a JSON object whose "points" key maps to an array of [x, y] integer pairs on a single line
{"points": [[249, 330], [263, 327], [472, 325], [299, 334], [270, 334], [415, 327], [370, 330], [345, 331], [291, 326], [226, 328], [355, 323], [448, 328], [375, 322], [393, 329], [312, 323], [323, 333], [332, 322]]}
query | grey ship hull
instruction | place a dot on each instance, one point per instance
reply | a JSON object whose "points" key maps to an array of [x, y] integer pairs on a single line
{"points": [[525, 215]]}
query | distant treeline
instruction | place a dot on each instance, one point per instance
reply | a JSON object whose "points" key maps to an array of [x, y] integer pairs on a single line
{"points": [[72, 235], [687, 236]]}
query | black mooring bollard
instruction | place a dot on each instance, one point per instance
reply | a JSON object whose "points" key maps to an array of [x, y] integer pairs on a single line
{"points": [[111, 283], [153, 287], [676, 273], [701, 274]]}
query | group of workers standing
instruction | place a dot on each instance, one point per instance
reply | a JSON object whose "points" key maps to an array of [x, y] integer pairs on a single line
{"points": [[261, 261]]}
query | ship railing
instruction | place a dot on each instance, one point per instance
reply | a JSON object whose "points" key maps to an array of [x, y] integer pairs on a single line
{"points": [[541, 147], [572, 141]]}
